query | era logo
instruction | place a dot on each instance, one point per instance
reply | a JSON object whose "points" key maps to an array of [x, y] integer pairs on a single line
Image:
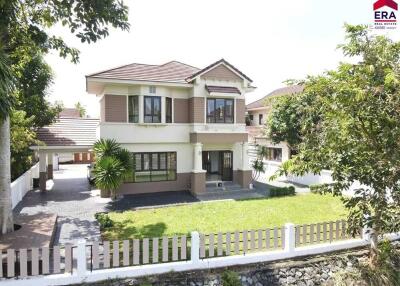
{"points": [[385, 11]]}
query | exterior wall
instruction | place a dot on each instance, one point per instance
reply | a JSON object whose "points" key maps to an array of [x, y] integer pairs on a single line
{"points": [[181, 110], [196, 110], [240, 111], [198, 183], [115, 108], [182, 183], [221, 72], [255, 114], [242, 177]]}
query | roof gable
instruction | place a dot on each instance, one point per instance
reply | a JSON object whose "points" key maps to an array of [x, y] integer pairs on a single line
{"points": [[221, 68], [221, 72]]}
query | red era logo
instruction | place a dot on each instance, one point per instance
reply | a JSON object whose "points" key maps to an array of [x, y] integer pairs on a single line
{"points": [[382, 3]]}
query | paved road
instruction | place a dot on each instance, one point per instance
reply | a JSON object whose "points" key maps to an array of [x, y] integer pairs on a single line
{"points": [[70, 197]]}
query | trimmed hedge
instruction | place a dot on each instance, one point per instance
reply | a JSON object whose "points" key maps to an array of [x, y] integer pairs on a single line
{"points": [[283, 191]]}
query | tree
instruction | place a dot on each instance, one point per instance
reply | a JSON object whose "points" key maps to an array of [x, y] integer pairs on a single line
{"points": [[24, 34], [81, 109], [6, 87], [112, 167], [350, 124]]}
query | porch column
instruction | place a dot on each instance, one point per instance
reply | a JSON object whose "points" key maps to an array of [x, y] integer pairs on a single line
{"points": [[198, 157], [198, 176], [245, 156], [244, 173], [42, 171], [50, 166]]}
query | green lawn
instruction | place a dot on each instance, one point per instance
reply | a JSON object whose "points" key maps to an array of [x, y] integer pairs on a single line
{"points": [[224, 216]]}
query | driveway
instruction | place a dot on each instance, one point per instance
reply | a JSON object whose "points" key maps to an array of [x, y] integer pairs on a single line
{"points": [[69, 196]]}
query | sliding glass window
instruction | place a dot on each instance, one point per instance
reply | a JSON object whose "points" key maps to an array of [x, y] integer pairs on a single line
{"points": [[153, 167], [152, 109], [133, 109], [220, 110]]}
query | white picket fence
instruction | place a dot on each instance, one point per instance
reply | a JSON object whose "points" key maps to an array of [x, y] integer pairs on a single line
{"points": [[63, 265], [23, 184]]}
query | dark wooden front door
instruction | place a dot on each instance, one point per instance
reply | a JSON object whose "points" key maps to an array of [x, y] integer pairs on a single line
{"points": [[226, 165]]}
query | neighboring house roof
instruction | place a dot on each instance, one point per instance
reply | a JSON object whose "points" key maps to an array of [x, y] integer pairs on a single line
{"points": [[221, 61], [292, 89], [222, 89], [69, 112], [173, 71], [69, 132]]}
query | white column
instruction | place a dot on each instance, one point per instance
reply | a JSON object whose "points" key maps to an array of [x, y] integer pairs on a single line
{"points": [[290, 237], [163, 109], [141, 109], [195, 247], [197, 157], [81, 258], [245, 156], [42, 162]]}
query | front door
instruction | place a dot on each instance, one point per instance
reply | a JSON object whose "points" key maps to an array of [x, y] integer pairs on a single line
{"points": [[226, 165]]}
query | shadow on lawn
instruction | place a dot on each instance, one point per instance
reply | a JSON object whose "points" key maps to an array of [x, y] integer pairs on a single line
{"points": [[126, 230]]}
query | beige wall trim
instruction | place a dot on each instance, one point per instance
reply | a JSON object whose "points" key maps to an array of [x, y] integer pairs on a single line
{"points": [[198, 183], [240, 111], [115, 109], [218, 138], [182, 183], [181, 110], [196, 110], [242, 177]]}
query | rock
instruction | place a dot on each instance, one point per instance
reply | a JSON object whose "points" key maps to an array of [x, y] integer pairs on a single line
{"points": [[298, 274]]}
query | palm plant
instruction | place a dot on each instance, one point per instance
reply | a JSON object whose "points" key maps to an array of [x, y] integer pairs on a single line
{"points": [[6, 88], [113, 165], [258, 164]]}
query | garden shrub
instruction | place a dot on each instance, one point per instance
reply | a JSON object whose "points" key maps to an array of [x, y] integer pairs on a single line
{"points": [[104, 220], [230, 278], [283, 191]]}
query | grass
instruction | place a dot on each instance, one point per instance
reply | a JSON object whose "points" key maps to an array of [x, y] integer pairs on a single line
{"points": [[224, 216]]}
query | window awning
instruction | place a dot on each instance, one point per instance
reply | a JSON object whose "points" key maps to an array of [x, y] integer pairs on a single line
{"points": [[222, 89]]}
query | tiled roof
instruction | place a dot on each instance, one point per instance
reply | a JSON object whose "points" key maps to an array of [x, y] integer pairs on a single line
{"points": [[222, 89], [292, 89], [174, 71], [69, 112], [189, 78], [69, 132]]}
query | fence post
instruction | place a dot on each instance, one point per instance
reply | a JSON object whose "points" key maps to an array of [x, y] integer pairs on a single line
{"points": [[81, 258], [290, 237], [195, 247]]}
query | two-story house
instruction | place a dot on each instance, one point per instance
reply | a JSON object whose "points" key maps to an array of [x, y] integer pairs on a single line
{"points": [[185, 126]]}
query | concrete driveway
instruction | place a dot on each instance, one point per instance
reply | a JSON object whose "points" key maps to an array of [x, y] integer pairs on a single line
{"points": [[69, 196]]}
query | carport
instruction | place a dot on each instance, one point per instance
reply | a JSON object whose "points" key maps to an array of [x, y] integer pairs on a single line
{"points": [[66, 135]]}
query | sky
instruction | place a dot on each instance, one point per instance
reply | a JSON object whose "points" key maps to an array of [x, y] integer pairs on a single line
{"points": [[270, 41]]}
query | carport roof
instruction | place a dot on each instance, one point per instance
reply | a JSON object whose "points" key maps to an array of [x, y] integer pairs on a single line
{"points": [[69, 132]]}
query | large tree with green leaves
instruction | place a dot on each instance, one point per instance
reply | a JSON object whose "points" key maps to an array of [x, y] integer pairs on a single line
{"points": [[350, 124], [24, 37]]}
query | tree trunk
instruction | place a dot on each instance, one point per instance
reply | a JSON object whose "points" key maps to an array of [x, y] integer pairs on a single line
{"points": [[6, 215], [373, 256], [104, 193]]}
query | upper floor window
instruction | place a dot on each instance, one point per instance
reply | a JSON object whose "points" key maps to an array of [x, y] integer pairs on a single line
{"points": [[168, 110], [152, 89], [220, 110], [152, 109], [133, 109]]}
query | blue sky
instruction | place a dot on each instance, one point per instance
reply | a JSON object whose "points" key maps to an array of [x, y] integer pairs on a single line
{"points": [[270, 41]]}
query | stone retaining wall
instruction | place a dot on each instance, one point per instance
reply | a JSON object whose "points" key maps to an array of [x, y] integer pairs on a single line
{"points": [[305, 272]]}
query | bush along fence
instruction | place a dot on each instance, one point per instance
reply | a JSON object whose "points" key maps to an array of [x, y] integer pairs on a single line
{"points": [[90, 262]]}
